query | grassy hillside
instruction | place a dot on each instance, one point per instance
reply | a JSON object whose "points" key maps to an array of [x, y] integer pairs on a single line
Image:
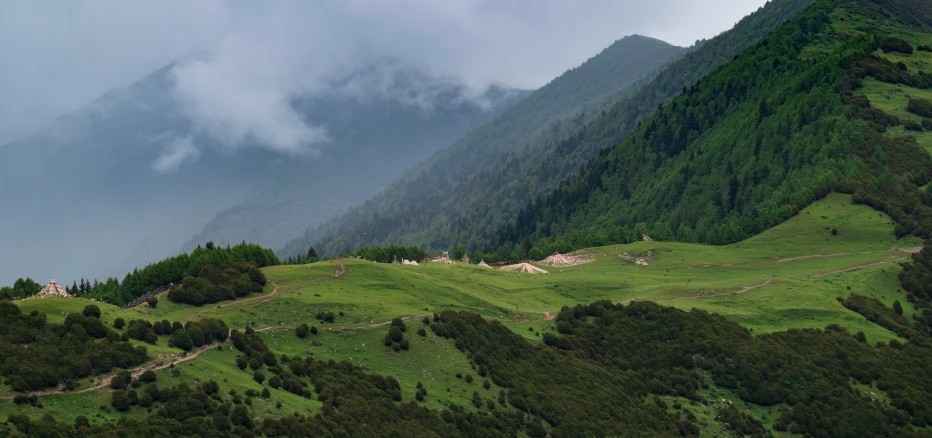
{"points": [[810, 327], [465, 193], [787, 277]]}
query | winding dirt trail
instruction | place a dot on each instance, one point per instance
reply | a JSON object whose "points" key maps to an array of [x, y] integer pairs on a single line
{"points": [[336, 273], [350, 327], [103, 382], [893, 259], [741, 291], [270, 295]]}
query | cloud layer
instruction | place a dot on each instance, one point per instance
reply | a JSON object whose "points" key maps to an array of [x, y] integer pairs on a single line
{"points": [[243, 62]]}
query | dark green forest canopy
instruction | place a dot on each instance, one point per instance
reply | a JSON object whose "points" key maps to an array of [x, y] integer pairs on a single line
{"points": [[234, 279], [465, 196], [745, 149], [162, 274], [599, 374], [36, 355]]}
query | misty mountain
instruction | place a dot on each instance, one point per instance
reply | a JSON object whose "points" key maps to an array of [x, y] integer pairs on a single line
{"points": [[374, 138], [130, 178], [466, 197]]}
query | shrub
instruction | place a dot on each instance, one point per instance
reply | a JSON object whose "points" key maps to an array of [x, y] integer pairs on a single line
{"points": [[266, 393], [275, 382], [313, 329], [422, 332], [912, 125], [398, 322], [119, 323], [927, 124], [924, 48], [469, 378], [426, 320], [241, 362], [148, 376], [120, 400], [301, 331], [898, 308], [181, 339], [91, 310], [404, 344], [920, 107], [396, 333], [150, 337], [258, 376], [894, 44], [121, 380], [152, 302]]}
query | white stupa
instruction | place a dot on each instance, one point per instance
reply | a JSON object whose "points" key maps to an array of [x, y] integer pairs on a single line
{"points": [[53, 289]]}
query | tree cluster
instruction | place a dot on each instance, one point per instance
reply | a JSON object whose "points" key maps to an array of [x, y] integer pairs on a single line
{"points": [[175, 269], [35, 354], [396, 335], [236, 279], [388, 254]]}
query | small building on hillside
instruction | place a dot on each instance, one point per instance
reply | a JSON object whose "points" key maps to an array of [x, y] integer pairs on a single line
{"points": [[53, 289]]}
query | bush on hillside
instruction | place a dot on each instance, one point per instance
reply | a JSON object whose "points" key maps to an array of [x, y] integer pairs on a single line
{"points": [[894, 44], [920, 107]]}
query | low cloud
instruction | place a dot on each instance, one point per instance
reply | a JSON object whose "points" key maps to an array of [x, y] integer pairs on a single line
{"points": [[176, 153], [254, 58]]}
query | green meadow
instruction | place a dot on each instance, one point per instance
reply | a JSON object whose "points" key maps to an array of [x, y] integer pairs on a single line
{"points": [[788, 277]]}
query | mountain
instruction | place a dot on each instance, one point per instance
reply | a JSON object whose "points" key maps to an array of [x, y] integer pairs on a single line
{"points": [[462, 196], [131, 178], [787, 121], [557, 107]]}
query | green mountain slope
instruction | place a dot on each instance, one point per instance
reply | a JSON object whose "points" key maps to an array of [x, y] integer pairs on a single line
{"points": [[751, 144], [457, 198], [555, 109]]}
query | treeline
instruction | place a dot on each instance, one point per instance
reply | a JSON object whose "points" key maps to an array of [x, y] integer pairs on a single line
{"points": [[302, 259], [175, 269], [235, 279], [36, 355], [388, 254], [22, 288], [446, 203]]}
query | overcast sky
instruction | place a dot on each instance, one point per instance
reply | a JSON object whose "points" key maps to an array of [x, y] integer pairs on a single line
{"points": [[57, 55]]}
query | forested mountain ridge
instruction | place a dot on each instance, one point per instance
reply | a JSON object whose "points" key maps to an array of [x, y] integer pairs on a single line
{"points": [[463, 203], [374, 139], [552, 111], [751, 144]]}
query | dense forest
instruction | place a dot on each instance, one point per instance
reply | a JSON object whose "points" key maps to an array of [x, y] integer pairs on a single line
{"points": [[743, 150], [467, 193], [561, 106], [36, 355], [244, 258]]}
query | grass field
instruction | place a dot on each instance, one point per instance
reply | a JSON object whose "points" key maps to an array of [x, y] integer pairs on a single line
{"points": [[787, 277]]}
